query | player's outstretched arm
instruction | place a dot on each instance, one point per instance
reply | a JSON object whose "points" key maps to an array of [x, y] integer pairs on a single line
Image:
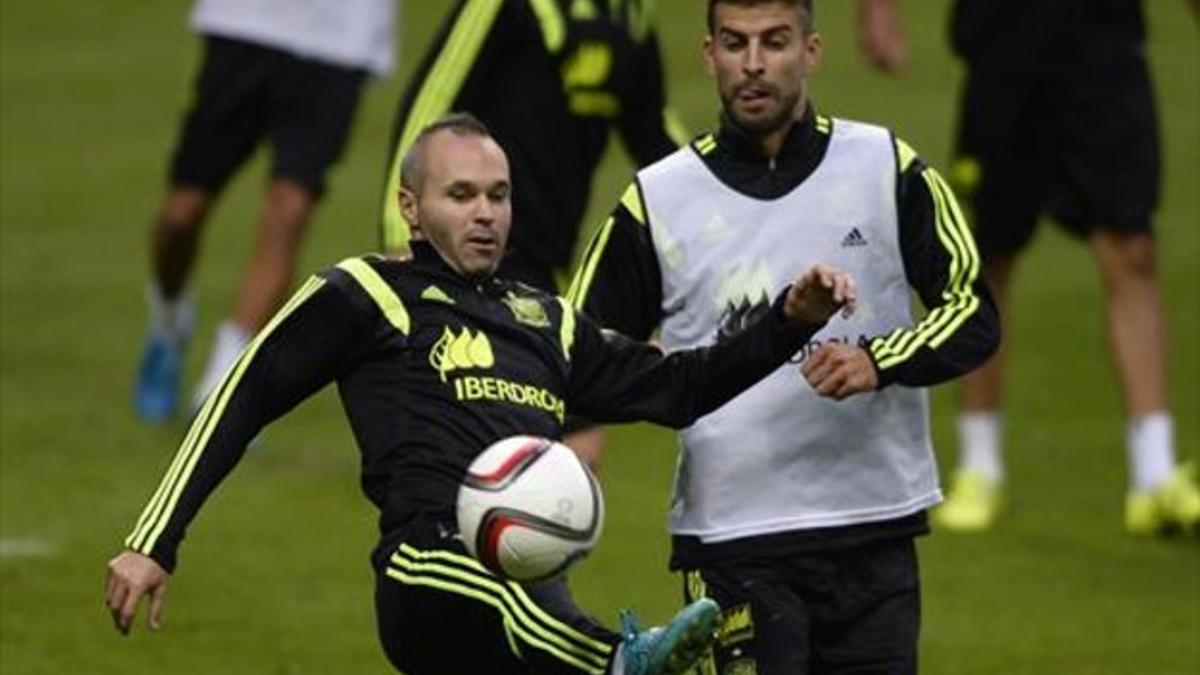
{"points": [[132, 576]]}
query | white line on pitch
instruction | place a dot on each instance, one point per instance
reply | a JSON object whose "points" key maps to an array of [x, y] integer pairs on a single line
{"points": [[26, 547]]}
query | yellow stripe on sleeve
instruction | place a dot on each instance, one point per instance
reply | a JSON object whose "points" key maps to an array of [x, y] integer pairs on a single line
{"points": [[566, 329], [162, 505], [959, 296], [383, 295], [587, 269]]}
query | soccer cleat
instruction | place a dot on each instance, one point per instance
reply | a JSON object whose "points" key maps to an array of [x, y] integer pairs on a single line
{"points": [[671, 649], [973, 505], [157, 389], [1170, 507]]}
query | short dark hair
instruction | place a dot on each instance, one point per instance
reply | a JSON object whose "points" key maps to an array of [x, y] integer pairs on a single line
{"points": [[806, 16], [412, 167]]}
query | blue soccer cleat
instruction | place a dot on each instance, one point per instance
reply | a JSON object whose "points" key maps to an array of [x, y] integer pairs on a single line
{"points": [[157, 393], [671, 649]]}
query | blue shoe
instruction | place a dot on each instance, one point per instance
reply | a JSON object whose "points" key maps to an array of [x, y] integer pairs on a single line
{"points": [[157, 393], [671, 649]]}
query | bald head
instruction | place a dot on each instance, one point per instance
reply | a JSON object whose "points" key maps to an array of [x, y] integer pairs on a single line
{"points": [[414, 166]]}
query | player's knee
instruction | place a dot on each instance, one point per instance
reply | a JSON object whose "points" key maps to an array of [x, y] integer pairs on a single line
{"points": [[184, 210], [1129, 259]]}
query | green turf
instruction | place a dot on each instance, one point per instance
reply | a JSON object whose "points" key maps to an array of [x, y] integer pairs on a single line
{"points": [[273, 578]]}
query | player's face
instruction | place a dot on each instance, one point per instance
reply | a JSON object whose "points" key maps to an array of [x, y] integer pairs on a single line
{"points": [[761, 57], [464, 207]]}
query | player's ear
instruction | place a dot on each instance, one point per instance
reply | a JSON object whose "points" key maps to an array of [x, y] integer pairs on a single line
{"points": [[706, 49], [408, 209], [814, 51]]}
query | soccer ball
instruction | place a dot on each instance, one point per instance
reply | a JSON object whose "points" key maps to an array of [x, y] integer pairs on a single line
{"points": [[528, 508]]}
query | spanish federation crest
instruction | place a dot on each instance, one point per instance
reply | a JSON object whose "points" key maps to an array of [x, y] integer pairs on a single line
{"points": [[527, 310]]}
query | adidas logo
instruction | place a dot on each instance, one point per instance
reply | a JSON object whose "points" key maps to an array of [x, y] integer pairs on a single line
{"points": [[855, 238], [436, 294]]}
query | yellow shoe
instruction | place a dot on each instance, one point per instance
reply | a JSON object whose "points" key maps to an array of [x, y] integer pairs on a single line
{"points": [[1174, 505], [973, 505]]}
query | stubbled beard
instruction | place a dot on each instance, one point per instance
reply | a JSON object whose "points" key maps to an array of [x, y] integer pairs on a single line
{"points": [[761, 126]]}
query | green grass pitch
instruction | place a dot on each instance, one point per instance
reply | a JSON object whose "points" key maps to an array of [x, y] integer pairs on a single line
{"points": [[274, 577]]}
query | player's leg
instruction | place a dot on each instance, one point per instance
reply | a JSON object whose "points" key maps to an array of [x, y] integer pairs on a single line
{"points": [[441, 612], [217, 136], [765, 625], [1000, 172], [312, 106], [869, 618], [1110, 189], [1160, 496]]}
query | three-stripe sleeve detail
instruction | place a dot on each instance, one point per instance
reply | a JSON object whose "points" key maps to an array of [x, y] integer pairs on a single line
{"points": [[591, 260], [158, 512], [527, 622], [959, 295], [442, 83], [635, 205]]}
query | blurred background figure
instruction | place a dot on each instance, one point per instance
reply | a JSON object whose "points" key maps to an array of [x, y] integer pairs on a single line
{"points": [[286, 72], [1058, 118], [551, 79]]}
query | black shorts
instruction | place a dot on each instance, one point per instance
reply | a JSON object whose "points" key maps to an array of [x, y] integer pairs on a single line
{"points": [[246, 93], [854, 610], [439, 612], [1077, 139]]}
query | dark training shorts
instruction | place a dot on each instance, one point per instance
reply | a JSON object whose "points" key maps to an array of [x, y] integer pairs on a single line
{"points": [[855, 610], [1076, 138], [440, 612], [246, 93]]}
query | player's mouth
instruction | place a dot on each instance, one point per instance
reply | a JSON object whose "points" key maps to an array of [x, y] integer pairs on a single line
{"points": [[483, 243], [754, 93]]}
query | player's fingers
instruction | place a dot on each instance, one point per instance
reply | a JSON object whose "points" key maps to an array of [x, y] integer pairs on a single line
{"points": [[821, 374], [831, 384], [157, 600], [115, 600], [815, 361], [128, 610]]}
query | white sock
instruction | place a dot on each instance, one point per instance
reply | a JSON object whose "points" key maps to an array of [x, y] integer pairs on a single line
{"points": [[172, 318], [231, 339], [1150, 446], [979, 444]]}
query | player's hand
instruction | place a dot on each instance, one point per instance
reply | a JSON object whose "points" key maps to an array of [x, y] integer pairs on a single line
{"points": [[132, 575], [881, 35], [815, 297], [838, 370]]}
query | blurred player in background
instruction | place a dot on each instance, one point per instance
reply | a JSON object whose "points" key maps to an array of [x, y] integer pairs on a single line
{"points": [[797, 503], [1057, 118], [552, 79], [379, 328], [285, 72]]}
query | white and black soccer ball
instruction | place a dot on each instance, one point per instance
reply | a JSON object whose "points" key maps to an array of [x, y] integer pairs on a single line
{"points": [[529, 508]]}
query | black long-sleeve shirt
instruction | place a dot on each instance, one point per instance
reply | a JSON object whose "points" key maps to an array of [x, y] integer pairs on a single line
{"points": [[432, 368], [551, 79]]}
